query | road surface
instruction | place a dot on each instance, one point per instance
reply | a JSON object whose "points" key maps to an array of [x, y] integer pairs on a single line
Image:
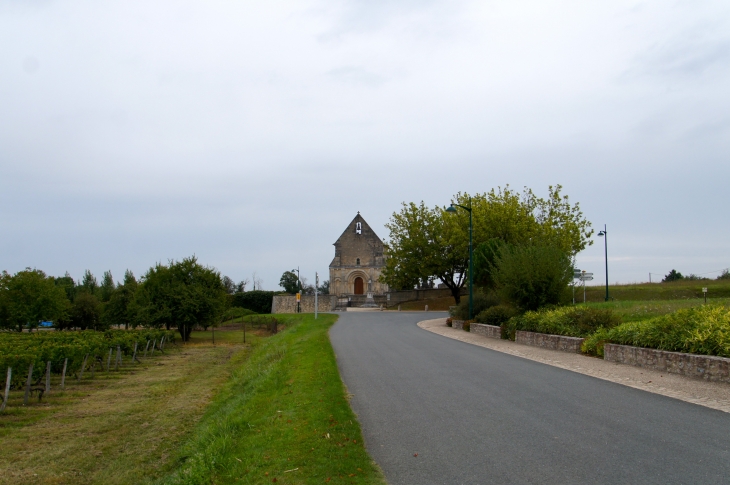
{"points": [[476, 416]]}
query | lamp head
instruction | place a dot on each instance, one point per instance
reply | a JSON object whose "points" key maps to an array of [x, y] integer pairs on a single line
{"points": [[451, 208], [601, 233]]}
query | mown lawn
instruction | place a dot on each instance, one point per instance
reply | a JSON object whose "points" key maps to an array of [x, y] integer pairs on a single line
{"points": [[119, 427]]}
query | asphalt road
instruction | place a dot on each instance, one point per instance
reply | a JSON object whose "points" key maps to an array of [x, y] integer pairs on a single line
{"points": [[476, 416]]}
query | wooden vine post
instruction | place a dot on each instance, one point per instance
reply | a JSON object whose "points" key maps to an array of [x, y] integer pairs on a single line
{"points": [[48, 377], [7, 390], [27, 384], [152, 352], [118, 360], [109, 360], [145, 350], [134, 355], [83, 366], [63, 376]]}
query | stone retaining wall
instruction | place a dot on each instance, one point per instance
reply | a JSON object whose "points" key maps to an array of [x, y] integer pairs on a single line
{"points": [[459, 324], [288, 303], [553, 342], [490, 331], [706, 367]]}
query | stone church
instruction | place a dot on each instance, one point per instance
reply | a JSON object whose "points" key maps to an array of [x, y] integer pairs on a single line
{"points": [[358, 261]]}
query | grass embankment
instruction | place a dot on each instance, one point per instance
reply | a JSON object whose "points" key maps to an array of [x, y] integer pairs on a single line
{"points": [[282, 417], [119, 427], [434, 305], [675, 290]]}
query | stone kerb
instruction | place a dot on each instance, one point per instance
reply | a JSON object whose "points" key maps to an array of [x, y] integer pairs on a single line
{"points": [[553, 342], [458, 324], [706, 367], [490, 331]]}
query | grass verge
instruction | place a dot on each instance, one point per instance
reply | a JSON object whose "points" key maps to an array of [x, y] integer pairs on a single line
{"points": [[283, 417]]}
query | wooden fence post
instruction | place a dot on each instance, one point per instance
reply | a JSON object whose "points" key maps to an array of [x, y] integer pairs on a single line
{"points": [[27, 384], [48, 377], [63, 376], [7, 389]]}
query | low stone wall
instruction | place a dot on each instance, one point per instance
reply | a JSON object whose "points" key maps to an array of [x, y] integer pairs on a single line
{"points": [[552, 342], [706, 367], [288, 303], [457, 324], [393, 298], [490, 331]]}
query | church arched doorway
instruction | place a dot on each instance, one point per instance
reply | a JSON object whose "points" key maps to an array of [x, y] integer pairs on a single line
{"points": [[359, 290]]}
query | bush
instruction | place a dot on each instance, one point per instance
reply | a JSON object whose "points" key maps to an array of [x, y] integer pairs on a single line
{"points": [[258, 301], [448, 321], [467, 325], [698, 330], [237, 312], [532, 276], [482, 301], [570, 321], [496, 315]]}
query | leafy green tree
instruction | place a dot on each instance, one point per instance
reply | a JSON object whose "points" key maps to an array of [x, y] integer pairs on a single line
{"points": [[419, 248], [28, 297], [229, 285], [289, 282], [532, 276], [86, 312], [122, 307], [485, 257], [107, 287], [673, 275], [725, 275], [183, 294], [89, 283], [324, 288]]}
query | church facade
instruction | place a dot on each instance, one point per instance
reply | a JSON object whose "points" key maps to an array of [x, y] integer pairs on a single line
{"points": [[358, 261]]}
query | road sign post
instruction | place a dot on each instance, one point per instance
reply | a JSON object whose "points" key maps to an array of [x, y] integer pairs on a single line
{"points": [[704, 291], [316, 290]]}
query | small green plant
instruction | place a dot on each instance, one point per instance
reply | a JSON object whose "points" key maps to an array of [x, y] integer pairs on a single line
{"points": [[699, 330], [571, 321], [482, 301], [496, 315]]}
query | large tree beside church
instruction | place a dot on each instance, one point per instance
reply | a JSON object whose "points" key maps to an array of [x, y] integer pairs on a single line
{"points": [[433, 243]]}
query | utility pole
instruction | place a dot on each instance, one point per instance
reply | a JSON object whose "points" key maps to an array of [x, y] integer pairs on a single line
{"points": [[299, 287]]}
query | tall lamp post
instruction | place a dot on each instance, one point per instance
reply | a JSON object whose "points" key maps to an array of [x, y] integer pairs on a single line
{"points": [[604, 235], [452, 208]]}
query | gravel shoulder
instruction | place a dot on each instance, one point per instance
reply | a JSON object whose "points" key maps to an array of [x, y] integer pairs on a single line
{"points": [[714, 395]]}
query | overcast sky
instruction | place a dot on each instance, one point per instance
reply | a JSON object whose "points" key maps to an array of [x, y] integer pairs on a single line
{"points": [[251, 133]]}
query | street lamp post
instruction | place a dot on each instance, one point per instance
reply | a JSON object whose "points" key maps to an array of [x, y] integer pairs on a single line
{"points": [[604, 235], [452, 208]]}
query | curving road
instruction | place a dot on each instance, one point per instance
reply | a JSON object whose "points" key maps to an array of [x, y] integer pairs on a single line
{"points": [[476, 416]]}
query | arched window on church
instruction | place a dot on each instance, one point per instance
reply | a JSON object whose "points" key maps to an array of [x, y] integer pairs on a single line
{"points": [[357, 263]]}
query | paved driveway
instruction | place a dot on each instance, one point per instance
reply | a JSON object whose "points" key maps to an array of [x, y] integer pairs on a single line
{"points": [[476, 416]]}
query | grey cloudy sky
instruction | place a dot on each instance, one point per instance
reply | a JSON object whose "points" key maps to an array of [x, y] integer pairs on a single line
{"points": [[250, 133]]}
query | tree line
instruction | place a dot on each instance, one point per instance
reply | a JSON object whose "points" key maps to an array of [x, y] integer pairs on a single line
{"points": [[179, 295], [524, 245]]}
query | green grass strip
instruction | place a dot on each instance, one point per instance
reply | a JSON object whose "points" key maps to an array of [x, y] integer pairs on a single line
{"points": [[283, 417]]}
